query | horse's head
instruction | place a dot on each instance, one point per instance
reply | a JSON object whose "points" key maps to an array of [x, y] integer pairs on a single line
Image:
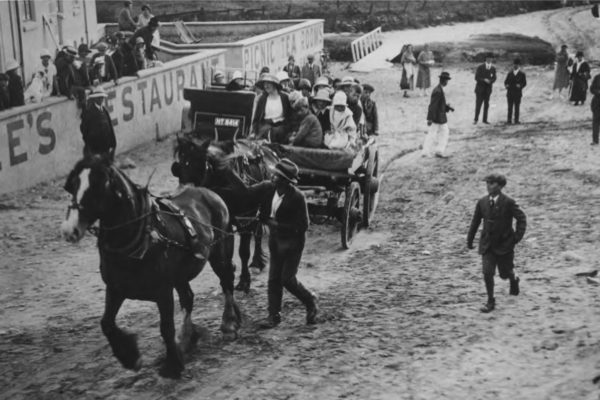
{"points": [[92, 196], [192, 165]]}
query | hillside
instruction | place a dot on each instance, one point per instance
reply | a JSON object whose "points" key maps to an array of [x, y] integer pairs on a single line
{"points": [[339, 15]]}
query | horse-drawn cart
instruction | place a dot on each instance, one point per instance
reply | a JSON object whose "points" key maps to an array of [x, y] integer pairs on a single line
{"points": [[339, 184]]}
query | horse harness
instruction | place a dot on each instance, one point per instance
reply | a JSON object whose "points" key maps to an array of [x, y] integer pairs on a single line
{"points": [[150, 230]]}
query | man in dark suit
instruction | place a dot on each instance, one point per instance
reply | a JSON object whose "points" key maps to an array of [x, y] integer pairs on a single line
{"points": [[437, 135], [485, 77], [595, 89], [96, 126], [514, 83], [498, 239], [310, 70], [283, 209]]}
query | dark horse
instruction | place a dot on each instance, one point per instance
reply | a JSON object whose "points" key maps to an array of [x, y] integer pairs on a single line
{"points": [[211, 165], [148, 248]]}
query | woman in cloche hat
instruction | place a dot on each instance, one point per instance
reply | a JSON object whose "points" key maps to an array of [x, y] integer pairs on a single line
{"points": [[273, 111]]}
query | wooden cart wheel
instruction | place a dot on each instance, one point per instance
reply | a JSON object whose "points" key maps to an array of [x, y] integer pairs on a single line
{"points": [[371, 188], [351, 217]]}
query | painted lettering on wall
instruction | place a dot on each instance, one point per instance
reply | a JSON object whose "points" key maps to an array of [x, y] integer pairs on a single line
{"points": [[40, 133], [274, 52]]}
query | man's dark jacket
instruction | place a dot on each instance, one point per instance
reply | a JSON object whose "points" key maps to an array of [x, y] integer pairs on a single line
{"points": [[595, 90], [482, 88], [512, 90], [292, 214], [437, 106], [497, 235], [97, 130], [15, 90]]}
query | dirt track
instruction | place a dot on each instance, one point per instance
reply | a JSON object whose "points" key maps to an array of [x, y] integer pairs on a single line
{"points": [[399, 312]]}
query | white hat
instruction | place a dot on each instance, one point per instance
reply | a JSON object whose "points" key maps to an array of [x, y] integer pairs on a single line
{"points": [[139, 40], [237, 75], [347, 80], [340, 99], [97, 92], [45, 53], [282, 76], [218, 74], [12, 64], [294, 96]]}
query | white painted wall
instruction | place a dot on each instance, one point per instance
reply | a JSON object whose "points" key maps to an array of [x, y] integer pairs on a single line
{"points": [[43, 141]]}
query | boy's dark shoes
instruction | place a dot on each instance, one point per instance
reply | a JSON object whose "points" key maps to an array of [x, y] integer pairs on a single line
{"points": [[514, 286], [489, 306]]}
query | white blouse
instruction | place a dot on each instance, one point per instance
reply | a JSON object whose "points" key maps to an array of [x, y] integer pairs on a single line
{"points": [[274, 109]]}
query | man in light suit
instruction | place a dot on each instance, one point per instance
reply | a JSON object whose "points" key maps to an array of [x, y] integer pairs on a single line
{"points": [[437, 136], [310, 70], [514, 83], [485, 77], [498, 239]]}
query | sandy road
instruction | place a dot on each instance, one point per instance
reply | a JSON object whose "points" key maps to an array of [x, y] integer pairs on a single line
{"points": [[399, 312]]}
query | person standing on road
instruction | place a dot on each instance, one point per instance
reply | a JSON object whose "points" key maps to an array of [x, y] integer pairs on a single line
{"points": [[310, 70], [515, 82], [595, 90], [96, 126], [485, 75], [580, 76], [425, 61], [561, 74], [408, 61], [437, 121], [283, 209], [498, 239]]}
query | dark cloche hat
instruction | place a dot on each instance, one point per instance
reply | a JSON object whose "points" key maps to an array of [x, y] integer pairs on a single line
{"points": [[517, 61], [445, 75], [287, 169], [498, 178], [153, 22], [83, 48], [368, 88]]}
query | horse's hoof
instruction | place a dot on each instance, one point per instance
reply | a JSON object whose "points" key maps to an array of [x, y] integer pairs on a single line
{"points": [[243, 286], [171, 372], [257, 267], [230, 336], [138, 365]]}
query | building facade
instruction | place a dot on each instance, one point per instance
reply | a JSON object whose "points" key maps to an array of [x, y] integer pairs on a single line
{"points": [[28, 26]]}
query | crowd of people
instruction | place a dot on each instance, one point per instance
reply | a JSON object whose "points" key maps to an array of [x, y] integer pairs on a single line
{"points": [[302, 107], [76, 71], [571, 74]]}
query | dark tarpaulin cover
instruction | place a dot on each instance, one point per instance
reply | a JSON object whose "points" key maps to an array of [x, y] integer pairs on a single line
{"points": [[322, 159]]}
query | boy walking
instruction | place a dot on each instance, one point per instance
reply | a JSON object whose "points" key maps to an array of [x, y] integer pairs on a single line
{"points": [[498, 239]]}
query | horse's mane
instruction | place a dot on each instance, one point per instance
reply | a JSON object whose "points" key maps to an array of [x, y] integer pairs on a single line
{"points": [[86, 162]]}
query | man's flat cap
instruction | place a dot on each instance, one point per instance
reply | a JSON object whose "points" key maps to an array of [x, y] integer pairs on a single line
{"points": [[498, 178]]}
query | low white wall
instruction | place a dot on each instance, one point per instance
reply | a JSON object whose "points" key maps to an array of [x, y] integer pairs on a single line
{"points": [[42, 141]]}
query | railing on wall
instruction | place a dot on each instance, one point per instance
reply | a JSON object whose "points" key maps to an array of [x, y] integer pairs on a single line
{"points": [[366, 44]]}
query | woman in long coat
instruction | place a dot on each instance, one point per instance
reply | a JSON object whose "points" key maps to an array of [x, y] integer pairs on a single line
{"points": [[580, 76], [425, 61], [561, 74]]}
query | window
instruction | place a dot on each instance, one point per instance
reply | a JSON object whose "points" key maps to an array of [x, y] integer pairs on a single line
{"points": [[28, 10]]}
